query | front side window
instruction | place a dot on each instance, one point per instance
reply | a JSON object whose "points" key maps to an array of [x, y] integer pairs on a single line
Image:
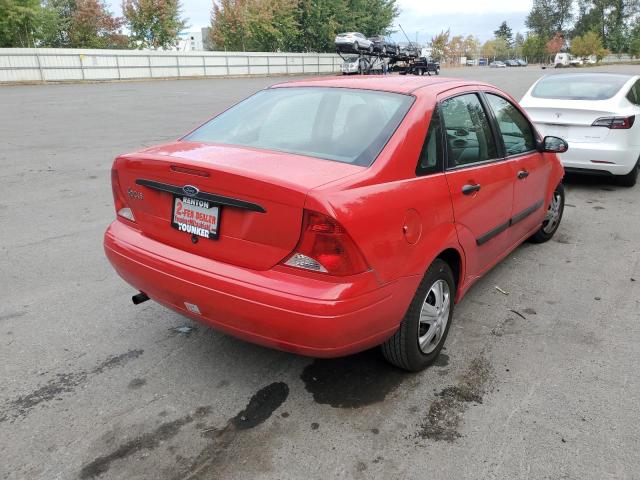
{"points": [[516, 132], [468, 134], [341, 124]]}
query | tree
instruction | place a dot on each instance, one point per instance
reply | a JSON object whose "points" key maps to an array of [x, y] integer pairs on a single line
{"points": [[229, 30], [610, 19], [518, 44], [550, 16], [555, 44], [470, 46], [496, 49], [534, 48], [504, 32], [153, 23], [588, 44], [272, 25], [93, 26], [19, 22], [440, 46]]}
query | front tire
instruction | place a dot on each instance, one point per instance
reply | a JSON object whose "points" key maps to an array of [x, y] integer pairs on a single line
{"points": [[552, 219], [630, 179], [425, 326]]}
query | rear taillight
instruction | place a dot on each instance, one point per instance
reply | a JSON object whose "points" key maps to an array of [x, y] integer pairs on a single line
{"points": [[119, 200], [615, 123], [326, 247]]}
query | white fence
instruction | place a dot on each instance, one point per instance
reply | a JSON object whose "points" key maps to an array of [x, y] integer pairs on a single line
{"points": [[54, 64]]}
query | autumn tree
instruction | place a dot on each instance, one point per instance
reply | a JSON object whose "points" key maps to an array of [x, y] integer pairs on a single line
{"points": [[555, 44], [588, 44], [440, 46], [154, 23], [272, 25], [93, 26], [471, 45]]}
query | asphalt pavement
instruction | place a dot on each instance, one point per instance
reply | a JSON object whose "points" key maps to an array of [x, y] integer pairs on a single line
{"points": [[539, 379]]}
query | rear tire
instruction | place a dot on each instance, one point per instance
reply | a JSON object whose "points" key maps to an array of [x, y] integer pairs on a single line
{"points": [[427, 321], [630, 179], [552, 219]]}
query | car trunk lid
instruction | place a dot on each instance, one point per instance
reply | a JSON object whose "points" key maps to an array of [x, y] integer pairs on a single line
{"points": [[572, 124], [260, 195]]}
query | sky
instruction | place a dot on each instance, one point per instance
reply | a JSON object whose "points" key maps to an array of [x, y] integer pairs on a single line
{"points": [[424, 18]]}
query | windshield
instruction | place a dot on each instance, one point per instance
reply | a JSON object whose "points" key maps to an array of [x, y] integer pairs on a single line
{"points": [[579, 86], [341, 124]]}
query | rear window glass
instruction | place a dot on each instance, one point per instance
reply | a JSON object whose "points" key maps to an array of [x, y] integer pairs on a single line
{"points": [[341, 124], [579, 86]]}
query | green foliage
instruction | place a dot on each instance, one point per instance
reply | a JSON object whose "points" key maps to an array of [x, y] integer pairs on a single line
{"points": [[20, 21], [610, 19], [295, 25], [548, 17], [496, 49], [505, 33], [586, 45], [153, 23], [534, 48]]}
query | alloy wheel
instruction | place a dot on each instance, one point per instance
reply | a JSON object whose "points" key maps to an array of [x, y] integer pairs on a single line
{"points": [[552, 217]]}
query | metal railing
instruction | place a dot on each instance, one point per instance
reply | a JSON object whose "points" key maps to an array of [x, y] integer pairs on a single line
{"points": [[46, 65]]}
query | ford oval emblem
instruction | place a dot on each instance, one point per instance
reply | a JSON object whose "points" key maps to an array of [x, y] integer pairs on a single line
{"points": [[190, 190]]}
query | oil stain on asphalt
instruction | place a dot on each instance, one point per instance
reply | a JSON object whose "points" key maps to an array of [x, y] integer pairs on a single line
{"points": [[260, 407], [352, 382], [62, 383], [445, 413]]}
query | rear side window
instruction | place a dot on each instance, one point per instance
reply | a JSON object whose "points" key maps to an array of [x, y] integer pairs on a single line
{"points": [[634, 93], [579, 86], [431, 155], [468, 134], [341, 124], [516, 132]]}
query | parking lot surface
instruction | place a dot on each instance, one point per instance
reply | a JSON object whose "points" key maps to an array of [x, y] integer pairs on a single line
{"points": [[539, 379]]}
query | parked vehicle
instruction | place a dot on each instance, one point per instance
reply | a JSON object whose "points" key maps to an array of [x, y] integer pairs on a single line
{"points": [[483, 62], [472, 63], [408, 52], [419, 66], [327, 231], [512, 63], [566, 60], [497, 64], [598, 114], [353, 42], [354, 65], [384, 45], [521, 62]]}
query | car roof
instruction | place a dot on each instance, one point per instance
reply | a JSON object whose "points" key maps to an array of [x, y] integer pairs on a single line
{"points": [[398, 84]]}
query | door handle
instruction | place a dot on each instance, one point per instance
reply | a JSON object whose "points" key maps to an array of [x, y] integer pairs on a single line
{"points": [[469, 189], [522, 174]]}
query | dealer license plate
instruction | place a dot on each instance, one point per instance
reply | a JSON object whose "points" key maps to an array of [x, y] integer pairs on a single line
{"points": [[196, 217]]}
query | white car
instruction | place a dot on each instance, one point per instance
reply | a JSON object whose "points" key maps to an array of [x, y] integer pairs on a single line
{"points": [[354, 65], [353, 42], [498, 64], [596, 114]]}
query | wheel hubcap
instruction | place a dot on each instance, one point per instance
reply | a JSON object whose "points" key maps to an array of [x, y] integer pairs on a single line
{"points": [[434, 316], [553, 214]]}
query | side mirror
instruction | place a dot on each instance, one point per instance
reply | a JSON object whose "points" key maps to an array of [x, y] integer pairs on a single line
{"points": [[553, 145]]}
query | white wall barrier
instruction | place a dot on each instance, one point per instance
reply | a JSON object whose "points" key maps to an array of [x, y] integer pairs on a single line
{"points": [[62, 64]]}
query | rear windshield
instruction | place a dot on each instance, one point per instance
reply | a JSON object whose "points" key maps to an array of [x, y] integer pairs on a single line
{"points": [[341, 124], [579, 86]]}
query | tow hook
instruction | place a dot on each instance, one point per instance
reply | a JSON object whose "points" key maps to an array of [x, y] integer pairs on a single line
{"points": [[139, 298]]}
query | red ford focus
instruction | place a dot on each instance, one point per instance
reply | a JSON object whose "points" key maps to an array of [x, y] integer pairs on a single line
{"points": [[325, 217]]}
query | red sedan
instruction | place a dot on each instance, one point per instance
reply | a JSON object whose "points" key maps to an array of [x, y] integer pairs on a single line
{"points": [[328, 216]]}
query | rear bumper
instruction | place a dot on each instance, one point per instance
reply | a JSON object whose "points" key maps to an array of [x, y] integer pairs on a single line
{"points": [[273, 308], [588, 156]]}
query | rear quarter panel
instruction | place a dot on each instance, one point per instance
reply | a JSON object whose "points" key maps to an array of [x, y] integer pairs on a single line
{"points": [[376, 205]]}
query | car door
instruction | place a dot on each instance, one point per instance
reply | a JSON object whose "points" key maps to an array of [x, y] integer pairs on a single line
{"points": [[480, 182], [529, 168]]}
